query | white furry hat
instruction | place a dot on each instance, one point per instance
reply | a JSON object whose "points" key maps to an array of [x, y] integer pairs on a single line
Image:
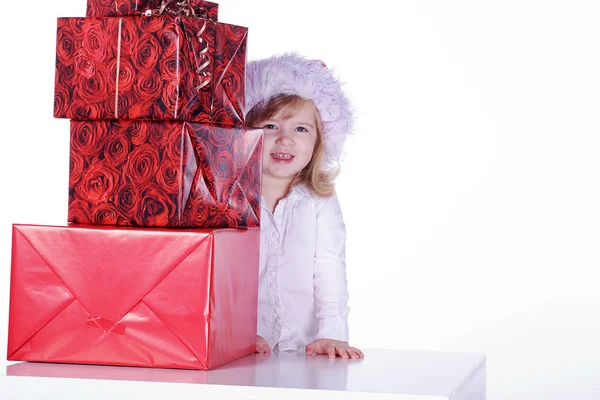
{"points": [[311, 80]]}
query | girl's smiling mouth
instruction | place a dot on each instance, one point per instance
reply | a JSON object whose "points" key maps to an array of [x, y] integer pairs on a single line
{"points": [[282, 157]]}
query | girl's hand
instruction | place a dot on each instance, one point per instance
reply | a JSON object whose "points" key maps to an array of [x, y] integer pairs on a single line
{"points": [[262, 346], [333, 348]]}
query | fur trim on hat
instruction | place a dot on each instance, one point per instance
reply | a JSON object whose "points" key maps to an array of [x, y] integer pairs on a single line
{"points": [[311, 80]]}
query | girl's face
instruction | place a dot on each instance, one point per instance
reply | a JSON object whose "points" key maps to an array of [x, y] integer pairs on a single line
{"points": [[289, 143]]}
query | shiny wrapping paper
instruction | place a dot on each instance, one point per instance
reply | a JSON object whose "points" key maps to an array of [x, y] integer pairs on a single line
{"points": [[160, 298], [165, 173], [153, 68], [121, 8]]}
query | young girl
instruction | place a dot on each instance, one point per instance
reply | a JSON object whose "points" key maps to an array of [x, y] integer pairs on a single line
{"points": [[303, 292]]}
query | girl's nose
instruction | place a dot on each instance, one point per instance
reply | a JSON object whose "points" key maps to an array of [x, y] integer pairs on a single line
{"points": [[285, 140]]}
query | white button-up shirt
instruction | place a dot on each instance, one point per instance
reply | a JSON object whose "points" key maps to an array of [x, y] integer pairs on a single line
{"points": [[303, 291]]}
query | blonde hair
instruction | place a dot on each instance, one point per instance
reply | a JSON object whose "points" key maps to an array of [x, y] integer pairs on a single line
{"points": [[318, 179]]}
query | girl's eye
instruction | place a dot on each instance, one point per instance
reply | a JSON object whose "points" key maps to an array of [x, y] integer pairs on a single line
{"points": [[301, 129], [269, 126]]}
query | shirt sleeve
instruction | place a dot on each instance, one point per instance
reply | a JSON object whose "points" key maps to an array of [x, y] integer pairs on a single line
{"points": [[330, 283]]}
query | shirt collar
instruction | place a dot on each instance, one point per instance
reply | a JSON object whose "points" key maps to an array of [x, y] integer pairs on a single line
{"points": [[300, 189]]}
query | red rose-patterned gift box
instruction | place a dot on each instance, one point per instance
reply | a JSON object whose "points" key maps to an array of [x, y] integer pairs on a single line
{"points": [[121, 8], [165, 173], [165, 298], [153, 68]]}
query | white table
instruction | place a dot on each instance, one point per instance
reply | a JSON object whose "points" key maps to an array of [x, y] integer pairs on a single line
{"points": [[383, 374]]}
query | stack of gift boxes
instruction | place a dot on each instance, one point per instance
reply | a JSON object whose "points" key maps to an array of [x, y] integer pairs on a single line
{"points": [[158, 265]]}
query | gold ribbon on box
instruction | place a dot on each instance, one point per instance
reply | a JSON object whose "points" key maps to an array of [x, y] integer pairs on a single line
{"points": [[187, 9], [174, 8]]}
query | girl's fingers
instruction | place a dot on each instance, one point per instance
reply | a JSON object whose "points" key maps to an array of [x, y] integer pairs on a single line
{"points": [[341, 350], [263, 348], [331, 351], [329, 348], [352, 352], [360, 353], [309, 350]]}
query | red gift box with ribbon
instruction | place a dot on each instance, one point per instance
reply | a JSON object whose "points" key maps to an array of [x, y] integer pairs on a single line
{"points": [[164, 298], [153, 68], [121, 8], [165, 173]]}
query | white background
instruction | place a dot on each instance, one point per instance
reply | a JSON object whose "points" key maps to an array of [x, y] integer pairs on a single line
{"points": [[470, 190]]}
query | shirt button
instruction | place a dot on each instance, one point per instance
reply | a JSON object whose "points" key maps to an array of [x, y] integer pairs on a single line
{"points": [[276, 310], [277, 320], [274, 246], [275, 235], [272, 274], [273, 286]]}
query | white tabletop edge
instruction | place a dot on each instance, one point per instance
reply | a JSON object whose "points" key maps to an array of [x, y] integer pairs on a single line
{"points": [[473, 371], [107, 381], [91, 389]]}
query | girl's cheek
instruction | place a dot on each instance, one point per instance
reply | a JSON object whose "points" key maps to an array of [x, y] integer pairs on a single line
{"points": [[266, 143]]}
